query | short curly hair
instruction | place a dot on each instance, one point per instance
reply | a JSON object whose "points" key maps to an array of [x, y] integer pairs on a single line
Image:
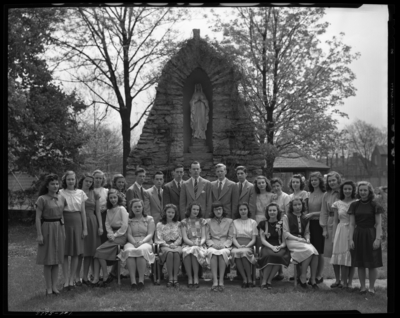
{"points": [[237, 214], [297, 176], [189, 210], [280, 213], [114, 182], [303, 203], [371, 194], [353, 185], [131, 202], [164, 214], [332, 174], [217, 204], [113, 191], [44, 187]]}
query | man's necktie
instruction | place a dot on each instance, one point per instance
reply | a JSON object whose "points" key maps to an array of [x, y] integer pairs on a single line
{"points": [[195, 187], [219, 188], [159, 195], [240, 188], [179, 187], [141, 192]]}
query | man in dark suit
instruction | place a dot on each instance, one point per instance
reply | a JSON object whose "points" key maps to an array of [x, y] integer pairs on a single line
{"points": [[245, 190], [225, 191], [153, 197], [172, 190], [136, 190], [195, 189]]}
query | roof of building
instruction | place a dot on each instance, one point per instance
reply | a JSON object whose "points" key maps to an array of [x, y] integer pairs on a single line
{"points": [[294, 160], [383, 150]]}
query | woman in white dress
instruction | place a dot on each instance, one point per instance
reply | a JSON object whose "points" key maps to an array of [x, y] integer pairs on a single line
{"points": [[219, 233], [194, 238], [99, 182], [244, 238], [341, 228], [138, 250]]}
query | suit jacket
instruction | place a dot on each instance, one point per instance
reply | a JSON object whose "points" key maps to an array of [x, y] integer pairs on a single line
{"points": [[203, 196], [171, 195], [228, 196], [248, 195], [154, 204], [133, 192]]}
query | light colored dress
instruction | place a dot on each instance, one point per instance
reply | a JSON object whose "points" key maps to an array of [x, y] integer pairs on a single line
{"points": [[169, 233], [102, 192], [139, 229], [341, 249], [219, 231], [116, 223], [326, 219], [243, 231], [193, 232], [283, 201], [262, 201], [51, 252], [297, 226]]}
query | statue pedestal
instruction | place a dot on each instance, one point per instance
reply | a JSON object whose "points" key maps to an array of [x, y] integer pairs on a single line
{"points": [[199, 146]]}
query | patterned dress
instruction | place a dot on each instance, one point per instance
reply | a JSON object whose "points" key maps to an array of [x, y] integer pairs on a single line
{"points": [[243, 231], [273, 236], [341, 249], [193, 231], [51, 252], [219, 231], [138, 229], [169, 233]]}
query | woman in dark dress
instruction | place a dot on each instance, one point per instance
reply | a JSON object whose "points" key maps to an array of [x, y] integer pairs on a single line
{"points": [[365, 235], [274, 252]]}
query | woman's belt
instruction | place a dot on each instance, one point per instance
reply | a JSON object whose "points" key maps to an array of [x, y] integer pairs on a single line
{"points": [[42, 220]]}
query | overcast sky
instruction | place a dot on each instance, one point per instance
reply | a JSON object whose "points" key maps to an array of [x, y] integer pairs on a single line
{"points": [[365, 31]]}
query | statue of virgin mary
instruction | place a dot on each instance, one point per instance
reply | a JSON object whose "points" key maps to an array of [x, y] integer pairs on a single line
{"points": [[199, 113]]}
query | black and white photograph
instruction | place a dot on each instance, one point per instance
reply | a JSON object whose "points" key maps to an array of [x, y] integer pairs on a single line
{"points": [[185, 157]]}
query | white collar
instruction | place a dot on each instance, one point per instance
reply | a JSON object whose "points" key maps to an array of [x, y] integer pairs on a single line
{"points": [[138, 185]]}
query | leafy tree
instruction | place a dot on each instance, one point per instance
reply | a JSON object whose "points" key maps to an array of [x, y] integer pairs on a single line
{"points": [[290, 81], [118, 49], [363, 138], [43, 133]]}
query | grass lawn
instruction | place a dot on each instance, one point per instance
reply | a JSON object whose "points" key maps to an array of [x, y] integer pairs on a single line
{"points": [[26, 291]]}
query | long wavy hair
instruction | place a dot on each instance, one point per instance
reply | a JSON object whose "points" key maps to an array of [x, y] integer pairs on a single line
{"points": [[189, 210], [353, 193], [64, 179], [268, 187], [49, 178], [114, 182], [102, 173], [297, 176], [320, 177], [164, 214], [280, 213], [113, 191], [86, 175], [303, 208]]}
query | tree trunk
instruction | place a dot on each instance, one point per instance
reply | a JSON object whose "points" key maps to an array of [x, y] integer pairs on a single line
{"points": [[126, 137], [268, 171]]}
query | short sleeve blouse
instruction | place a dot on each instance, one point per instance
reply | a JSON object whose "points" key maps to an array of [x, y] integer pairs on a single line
{"points": [[364, 212], [74, 199], [244, 228], [51, 207]]}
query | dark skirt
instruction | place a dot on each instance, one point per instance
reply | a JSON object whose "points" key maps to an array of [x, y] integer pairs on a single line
{"points": [[103, 237], [51, 252], [316, 237], [73, 233], [108, 250], [363, 255], [269, 257], [92, 241]]}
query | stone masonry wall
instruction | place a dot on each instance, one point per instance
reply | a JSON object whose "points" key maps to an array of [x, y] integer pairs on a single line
{"points": [[161, 143]]}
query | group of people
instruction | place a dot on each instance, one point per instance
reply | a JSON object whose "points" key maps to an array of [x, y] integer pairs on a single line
{"points": [[208, 225]]}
